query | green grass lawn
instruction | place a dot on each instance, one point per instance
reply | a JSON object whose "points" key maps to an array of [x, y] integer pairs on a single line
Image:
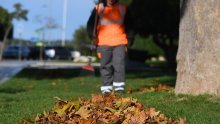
{"points": [[32, 91]]}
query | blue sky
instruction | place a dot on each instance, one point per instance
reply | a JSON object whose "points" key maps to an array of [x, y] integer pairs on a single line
{"points": [[78, 12]]}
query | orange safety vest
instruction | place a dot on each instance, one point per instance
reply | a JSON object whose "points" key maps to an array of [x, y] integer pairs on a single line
{"points": [[110, 29]]}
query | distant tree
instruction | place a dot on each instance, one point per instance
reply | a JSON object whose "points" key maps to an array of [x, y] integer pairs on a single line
{"points": [[126, 1], [18, 14], [4, 21], [198, 58], [47, 23], [147, 44], [80, 39]]}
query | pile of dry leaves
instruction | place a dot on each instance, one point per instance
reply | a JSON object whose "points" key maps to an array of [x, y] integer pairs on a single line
{"points": [[102, 109], [159, 87]]}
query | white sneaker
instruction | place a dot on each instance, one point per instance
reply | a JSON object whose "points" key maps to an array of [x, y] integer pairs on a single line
{"points": [[119, 86], [106, 89]]}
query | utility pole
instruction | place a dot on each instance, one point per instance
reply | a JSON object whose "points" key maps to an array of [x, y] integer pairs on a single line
{"points": [[50, 22], [19, 48], [64, 22]]}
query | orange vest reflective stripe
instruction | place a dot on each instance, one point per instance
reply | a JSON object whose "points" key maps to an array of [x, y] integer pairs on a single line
{"points": [[110, 30]]}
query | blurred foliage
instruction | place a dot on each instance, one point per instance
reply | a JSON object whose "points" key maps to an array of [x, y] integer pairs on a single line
{"points": [[4, 22], [19, 14], [147, 44], [4, 17], [127, 2], [16, 41], [158, 19], [122, 1], [80, 37]]}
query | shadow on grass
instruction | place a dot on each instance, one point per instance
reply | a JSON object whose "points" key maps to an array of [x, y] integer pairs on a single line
{"points": [[151, 78], [11, 90], [170, 82], [151, 72], [40, 74]]}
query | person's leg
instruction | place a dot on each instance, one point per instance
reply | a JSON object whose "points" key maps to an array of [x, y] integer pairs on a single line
{"points": [[119, 68], [106, 69]]}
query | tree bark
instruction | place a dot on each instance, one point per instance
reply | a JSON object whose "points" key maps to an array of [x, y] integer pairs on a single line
{"points": [[2, 45], [198, 56]]}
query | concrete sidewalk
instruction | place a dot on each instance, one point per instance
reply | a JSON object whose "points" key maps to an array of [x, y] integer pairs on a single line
{"points": [[130, 65], [18, 65], [10, 68], [60, 65]]}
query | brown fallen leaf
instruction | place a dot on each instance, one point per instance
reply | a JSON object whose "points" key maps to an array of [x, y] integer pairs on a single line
{"points": [[84, 112]]}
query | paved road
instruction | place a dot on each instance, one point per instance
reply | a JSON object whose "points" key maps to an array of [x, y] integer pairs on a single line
{"points": [[57, 65], [10, 68]]}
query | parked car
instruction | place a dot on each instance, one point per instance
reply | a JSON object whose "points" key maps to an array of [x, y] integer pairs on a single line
{"points": [[57, 52], [36, 51], [12, 52]]}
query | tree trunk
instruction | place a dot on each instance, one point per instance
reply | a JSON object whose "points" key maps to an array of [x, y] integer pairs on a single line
{"points": [[2, 45], [198, 57]]}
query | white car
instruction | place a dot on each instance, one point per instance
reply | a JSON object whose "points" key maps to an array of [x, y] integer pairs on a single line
{"points": [[57, 52], [50, 53]]}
